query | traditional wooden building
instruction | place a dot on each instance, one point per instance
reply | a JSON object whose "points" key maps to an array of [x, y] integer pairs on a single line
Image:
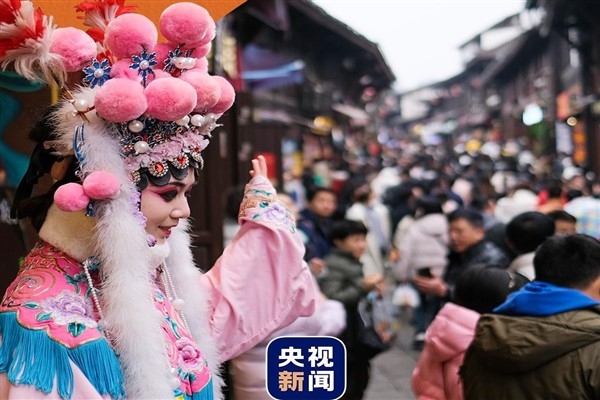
{"points": [[574, 25]]}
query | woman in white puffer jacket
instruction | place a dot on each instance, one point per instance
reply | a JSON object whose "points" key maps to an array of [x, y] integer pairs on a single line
{"points": [[425, 245]]}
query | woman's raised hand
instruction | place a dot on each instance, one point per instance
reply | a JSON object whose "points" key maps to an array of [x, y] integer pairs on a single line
{"points": [[259, 167]]}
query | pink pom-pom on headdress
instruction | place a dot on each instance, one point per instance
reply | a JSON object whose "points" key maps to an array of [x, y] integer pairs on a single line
{"points": [[120, 69], [75, 46], [129, 34], [227, 96], [185, 23], [170, 99], [201, 65], [208, 91], [162, 52], [198, 51], [211, 32], [71, 197], [101, 185], [120, 100]]}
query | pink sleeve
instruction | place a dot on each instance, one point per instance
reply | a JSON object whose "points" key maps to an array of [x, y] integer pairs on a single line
{"points": [[261, 282], [82, 389]]}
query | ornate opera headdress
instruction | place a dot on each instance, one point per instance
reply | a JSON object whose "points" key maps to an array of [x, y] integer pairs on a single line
{"points": [[143, 112], [156, 100]]}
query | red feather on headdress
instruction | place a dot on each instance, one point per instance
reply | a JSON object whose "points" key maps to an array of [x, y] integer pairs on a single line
{"points": [[8, 9], [97, 15], [25, 39], [17, 24]]}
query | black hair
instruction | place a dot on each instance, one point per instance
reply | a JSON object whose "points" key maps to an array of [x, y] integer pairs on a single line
{"points": [[313, 193], [554, 192], [573, 194], [40, 164], [562, 215], [472, 217], [528, 230], [429, 204], [362, 193], [568, 260], [483, 287], [341, 229]]}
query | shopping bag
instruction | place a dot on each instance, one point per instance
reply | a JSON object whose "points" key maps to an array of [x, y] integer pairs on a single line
{"points": [[375, 326], [406, 295]]}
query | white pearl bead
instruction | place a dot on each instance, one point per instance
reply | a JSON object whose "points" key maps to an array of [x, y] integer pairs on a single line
{"points": [[178, 304], [197, 120], [136, 126], [141, 147], [173, 371], [183, 121], [175, 383], [98, 73], [144, 64], [179, 62], [211, 117], [81, 105], [189, 62]]}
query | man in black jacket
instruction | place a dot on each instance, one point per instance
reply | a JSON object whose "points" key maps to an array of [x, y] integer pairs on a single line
{"points": [[467, 247]]}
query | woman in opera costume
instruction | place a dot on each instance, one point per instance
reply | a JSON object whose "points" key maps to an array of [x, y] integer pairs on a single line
{"points": [[109, 304]]}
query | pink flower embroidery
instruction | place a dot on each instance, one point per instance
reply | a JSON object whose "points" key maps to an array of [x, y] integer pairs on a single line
{"points": [[67, 307], [190, 357]]}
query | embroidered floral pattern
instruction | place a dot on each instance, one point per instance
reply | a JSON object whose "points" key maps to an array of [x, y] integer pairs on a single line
{"points": [[62, 307], [68, 308], [190, 357], [261, 204], [184, 354]]}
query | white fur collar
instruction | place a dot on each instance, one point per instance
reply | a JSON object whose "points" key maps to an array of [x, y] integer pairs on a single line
{"points": [[186, 278], [71, 232]]}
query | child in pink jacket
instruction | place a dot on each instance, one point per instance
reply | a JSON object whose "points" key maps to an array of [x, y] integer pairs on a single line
{"points": [[479, 290]]}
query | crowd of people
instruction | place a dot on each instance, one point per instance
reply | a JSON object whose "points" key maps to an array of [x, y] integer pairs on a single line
{"points": [[460, 233], [499, 249]]}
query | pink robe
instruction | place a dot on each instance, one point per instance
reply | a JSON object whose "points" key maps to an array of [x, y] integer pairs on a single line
{"points": [[258, 285]]}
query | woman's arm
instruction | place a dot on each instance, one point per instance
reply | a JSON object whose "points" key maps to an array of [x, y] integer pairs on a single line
{"points": [[261, 282]]}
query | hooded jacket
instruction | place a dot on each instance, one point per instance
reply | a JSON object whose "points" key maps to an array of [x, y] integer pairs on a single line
{"points": [[544, 344]]}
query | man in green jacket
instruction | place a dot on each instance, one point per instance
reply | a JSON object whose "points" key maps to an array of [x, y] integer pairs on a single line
{"points": [[544, 341]]}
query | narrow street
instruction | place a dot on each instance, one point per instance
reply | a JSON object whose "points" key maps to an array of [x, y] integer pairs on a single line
{"points": [[391, 371]]}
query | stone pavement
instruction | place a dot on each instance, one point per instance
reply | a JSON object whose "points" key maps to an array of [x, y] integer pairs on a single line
{"points": [[391, 371]]}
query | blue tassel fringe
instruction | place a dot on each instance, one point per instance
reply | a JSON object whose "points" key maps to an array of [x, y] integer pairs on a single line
{"points": [[20, 359], [206, 394]]}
